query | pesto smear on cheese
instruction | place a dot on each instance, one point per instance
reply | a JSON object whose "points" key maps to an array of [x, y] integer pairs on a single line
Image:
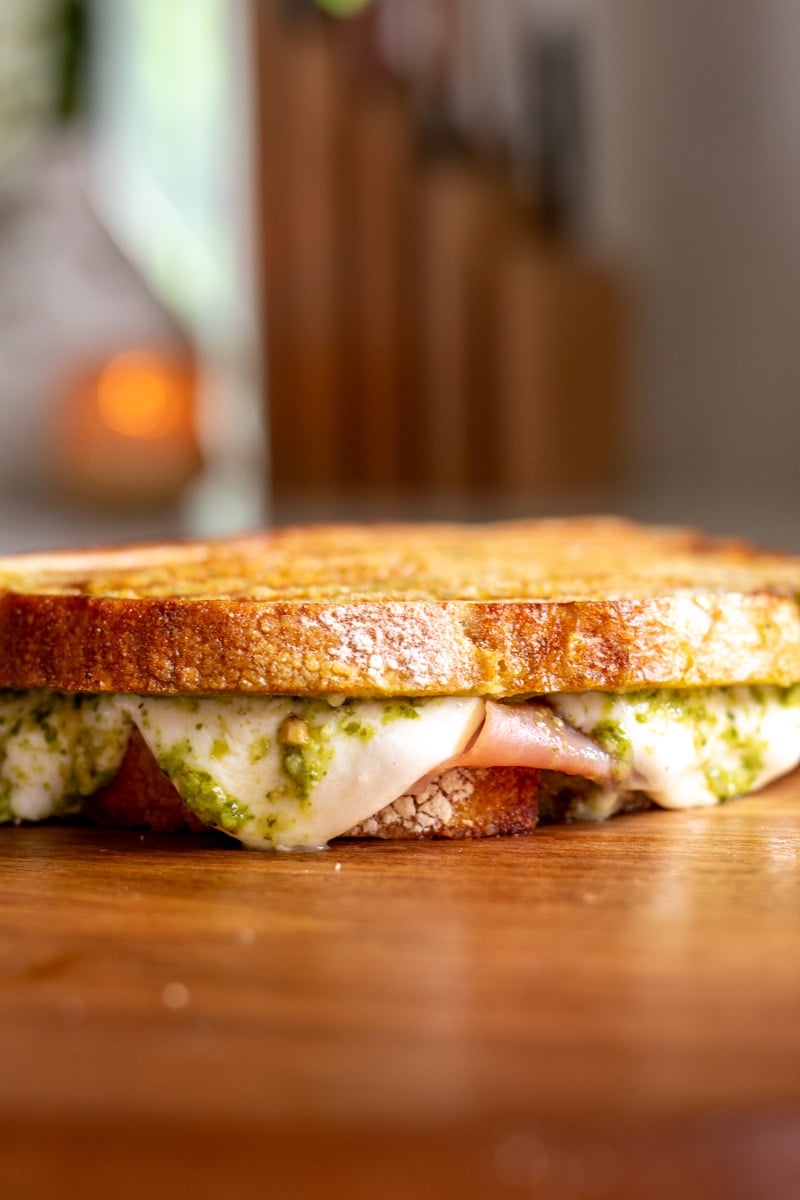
{"points": [[54, 750], [288, 772], [293, 772], [688, 748]]}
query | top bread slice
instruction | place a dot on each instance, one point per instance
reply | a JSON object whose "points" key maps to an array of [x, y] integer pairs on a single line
{"points": [[501, 609]]}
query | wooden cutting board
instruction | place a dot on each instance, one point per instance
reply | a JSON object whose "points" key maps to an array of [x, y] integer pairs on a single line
{"points": [[595, 1011]]}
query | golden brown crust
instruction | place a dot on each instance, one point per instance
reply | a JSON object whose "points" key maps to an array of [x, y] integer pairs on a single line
{"points": [[461, 803], [507, 609]]}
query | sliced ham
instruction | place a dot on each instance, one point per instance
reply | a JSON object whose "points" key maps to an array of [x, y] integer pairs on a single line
{"points": [[532, 735]]}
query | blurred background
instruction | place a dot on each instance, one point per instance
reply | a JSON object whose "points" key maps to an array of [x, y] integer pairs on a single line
{"points": [[276, 260]]}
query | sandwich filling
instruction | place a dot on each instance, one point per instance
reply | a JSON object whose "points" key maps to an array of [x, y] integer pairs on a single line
{"points": [[288, 772]]}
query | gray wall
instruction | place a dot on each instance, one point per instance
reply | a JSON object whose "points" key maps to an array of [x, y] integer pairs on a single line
{"points": [[697, 191]]}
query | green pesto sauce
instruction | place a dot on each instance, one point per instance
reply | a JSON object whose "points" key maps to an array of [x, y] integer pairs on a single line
{"points": [[612, 737], [399, 710], [670, 702], [725, 783], [190, 704], [259, 748], [268, 826], [745, 752], [202, 794], [306, 765], [219, 748], [85, 750], [359, 729], [790, 696], [735, 780], [50, 732]]}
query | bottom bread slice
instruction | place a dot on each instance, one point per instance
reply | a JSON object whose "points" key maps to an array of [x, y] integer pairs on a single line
{"points": [[464, 802], [460, 803]]}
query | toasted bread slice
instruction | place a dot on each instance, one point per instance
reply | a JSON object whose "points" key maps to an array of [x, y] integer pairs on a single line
{"points": [[504, 610], [460, 803]]}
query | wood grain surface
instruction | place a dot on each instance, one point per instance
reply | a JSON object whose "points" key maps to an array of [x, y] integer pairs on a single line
{"points": [[594, 1011]]}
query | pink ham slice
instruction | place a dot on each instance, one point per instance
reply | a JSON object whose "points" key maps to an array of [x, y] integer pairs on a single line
{"points": [[532, 735]]}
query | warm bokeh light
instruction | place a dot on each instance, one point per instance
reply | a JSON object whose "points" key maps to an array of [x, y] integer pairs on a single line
{"points": [[125, 428], [139, 395]]}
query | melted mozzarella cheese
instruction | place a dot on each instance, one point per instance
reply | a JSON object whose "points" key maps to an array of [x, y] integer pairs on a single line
{"points": [[294, 773], [54, 750], [690, 748]]}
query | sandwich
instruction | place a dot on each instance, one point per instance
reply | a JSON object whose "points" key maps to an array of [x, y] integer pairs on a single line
{"points": [[304, 684]]}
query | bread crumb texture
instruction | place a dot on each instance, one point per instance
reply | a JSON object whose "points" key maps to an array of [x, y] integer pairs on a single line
{"points": [[460, 803]]}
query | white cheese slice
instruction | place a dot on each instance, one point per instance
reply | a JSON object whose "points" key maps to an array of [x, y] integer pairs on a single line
{"points": [[690, 748], [294, 773]]}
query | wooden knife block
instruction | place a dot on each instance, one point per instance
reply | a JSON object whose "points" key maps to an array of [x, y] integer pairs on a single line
{"points": [[552, 382], [423, 338], [301, 212]]}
